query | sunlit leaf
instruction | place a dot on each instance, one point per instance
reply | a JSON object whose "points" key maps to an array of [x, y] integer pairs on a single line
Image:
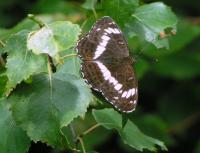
{"points": [[53, 38], [149, 20], [21, 62]]}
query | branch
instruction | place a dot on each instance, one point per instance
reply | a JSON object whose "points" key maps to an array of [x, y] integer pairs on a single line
{"points": [[35, 19], [185, 124]]}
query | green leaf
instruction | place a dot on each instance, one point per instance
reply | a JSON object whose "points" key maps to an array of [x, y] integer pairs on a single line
{"points": [[53, 38], [141, 67], [21, 62], [1, 51], [24, 24], [71, 64], [130, 134], [3, 81], [89, 4], [119, 10], [182, 39], [43, 110], [197, 148], [29, 24], [149, 20], [13, 138], [155, 126]]}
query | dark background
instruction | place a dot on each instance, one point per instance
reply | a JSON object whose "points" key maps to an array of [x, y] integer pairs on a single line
{"points": [[169, 81]]}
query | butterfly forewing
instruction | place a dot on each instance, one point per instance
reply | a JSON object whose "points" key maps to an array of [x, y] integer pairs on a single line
{"points": [[103, 41], [105, 65]]}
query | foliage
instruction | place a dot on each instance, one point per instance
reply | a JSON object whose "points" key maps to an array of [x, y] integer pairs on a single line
{"points": [[44, 98]]}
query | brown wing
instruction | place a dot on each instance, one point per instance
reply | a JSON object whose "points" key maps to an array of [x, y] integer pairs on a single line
{"points": [[104, 40], [117, 83]]}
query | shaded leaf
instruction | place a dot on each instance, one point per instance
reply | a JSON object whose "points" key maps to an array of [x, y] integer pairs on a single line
{"points": [[141, 66], [197, 148], [130, 134], [155, 126], [43, 111], [13, 138]]}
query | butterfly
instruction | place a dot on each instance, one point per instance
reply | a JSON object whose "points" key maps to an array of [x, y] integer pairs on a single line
{"points": [[106, 65]]}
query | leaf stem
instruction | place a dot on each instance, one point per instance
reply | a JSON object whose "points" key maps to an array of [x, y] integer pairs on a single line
{"points": [[73, 131], [133, 15], [2, 43], [75, 150], [82, 144], [94, 12], [79, 138], [83, 24], [69, 55], [35, 19], [90, 129], [2, 62]]}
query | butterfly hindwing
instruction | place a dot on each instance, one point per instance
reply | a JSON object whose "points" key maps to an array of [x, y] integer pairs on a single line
{"points": [[116, 82]]}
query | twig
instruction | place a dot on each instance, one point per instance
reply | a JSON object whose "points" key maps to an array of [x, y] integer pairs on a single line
{"points": [[38, 21], [186, 123], [69, 55]]}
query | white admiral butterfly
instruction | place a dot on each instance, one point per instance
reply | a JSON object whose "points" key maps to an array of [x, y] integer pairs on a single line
{"points": [[106, 64]]}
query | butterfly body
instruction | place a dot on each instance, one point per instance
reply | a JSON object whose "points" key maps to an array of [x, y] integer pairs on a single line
{"points": [[106, 65]]}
